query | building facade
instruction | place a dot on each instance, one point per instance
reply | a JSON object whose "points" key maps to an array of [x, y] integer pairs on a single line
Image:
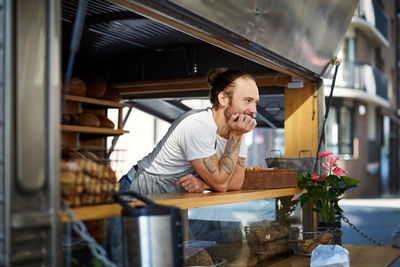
{"points": [[363, 123]]}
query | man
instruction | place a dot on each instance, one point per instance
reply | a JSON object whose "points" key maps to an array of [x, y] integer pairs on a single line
{"points": [[203, 149]]}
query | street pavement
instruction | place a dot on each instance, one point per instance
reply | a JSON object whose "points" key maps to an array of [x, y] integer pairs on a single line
{"points": [[375, 217]]}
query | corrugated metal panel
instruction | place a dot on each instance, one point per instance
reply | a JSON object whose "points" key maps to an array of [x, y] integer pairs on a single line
{"points": [[3, 184], [303, 31], [111, 31]]}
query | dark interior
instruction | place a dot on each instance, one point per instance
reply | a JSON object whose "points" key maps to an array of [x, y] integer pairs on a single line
{"points": [[123, 46]]}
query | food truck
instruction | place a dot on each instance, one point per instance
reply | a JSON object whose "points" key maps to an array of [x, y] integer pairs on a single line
{"points": [[153, 54]]}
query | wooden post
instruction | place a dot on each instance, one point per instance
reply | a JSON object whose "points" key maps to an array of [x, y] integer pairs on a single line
{"points": [[301, 120], [301, 131], [120, 120]]}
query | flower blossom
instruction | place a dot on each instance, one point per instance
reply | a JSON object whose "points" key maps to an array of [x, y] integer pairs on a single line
{"points": [[339, 171], [323, 154], [315, 177], [331, 163]]}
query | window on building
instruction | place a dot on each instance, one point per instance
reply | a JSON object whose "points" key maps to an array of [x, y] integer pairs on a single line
{"points": [[339, 130]]}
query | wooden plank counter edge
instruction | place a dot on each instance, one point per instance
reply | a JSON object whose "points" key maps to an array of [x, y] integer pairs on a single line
{"points": [[181, 200]]}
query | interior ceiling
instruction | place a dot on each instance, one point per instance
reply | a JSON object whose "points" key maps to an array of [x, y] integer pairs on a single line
{"points": [[112, 33]]}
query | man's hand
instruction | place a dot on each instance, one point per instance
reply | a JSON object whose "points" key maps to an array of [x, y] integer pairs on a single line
{"points": [[192, 184], [241, 123]]}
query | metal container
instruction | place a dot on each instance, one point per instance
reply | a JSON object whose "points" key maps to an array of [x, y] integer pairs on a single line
{"points": [[151, 234], [301, 164]]}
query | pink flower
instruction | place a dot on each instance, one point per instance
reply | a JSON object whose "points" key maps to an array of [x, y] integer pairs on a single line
{"points": [[339, 171], [324, 154], [331, 161], [326, 166], [315, 177], [294, 198]]}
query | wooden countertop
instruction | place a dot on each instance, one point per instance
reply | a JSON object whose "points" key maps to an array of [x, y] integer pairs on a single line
{"points": [[183, 201], [360, 256]]}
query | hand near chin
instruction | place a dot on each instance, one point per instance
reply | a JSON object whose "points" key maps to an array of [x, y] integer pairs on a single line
{"points": [[192, 184], [241, 123]]}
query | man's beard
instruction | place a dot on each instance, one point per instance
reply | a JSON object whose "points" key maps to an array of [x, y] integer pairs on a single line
{"points": [[228, 113]]}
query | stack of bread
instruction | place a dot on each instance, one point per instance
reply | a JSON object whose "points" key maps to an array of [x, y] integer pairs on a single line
{"points": [[266, 240], [93, 86], [85, 179], [88, 119]]}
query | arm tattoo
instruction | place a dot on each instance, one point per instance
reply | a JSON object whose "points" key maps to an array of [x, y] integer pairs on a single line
{"points": [[242, 162], [211, 164], [227, 164], [232, 146]]}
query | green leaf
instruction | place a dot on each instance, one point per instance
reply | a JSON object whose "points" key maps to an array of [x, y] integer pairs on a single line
{"points": [[96, 263], [350, 181], [303, 199]]}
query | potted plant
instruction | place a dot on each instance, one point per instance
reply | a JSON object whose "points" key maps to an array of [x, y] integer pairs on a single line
{"points": [[327, 189]]}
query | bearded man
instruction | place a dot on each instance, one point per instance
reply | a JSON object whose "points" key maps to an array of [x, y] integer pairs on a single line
{"points": [[203, 149]]}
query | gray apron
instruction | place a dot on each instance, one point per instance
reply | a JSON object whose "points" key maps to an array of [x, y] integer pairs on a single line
{"points": [[144, 182]]}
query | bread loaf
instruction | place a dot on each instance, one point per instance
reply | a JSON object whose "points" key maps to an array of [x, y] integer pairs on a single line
{"points": [[71, 183], [66, 119], [112, 95], [72, 200], [76, 87], [69, 153], [91, 156], [96, 86], [89, 119], [74, 119], [201, 258], [105, 122]]}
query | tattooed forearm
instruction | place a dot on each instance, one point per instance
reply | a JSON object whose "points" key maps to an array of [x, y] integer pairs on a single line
{"points": [[227, 164], [232, 145], [242, 162], [211, 164]]}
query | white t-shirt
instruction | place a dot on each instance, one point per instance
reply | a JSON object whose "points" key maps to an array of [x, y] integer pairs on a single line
{"points": [[192, 135]]}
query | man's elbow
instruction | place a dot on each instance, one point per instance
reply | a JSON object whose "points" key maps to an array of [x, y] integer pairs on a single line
{"points": [[235, 188], [220, 188]]}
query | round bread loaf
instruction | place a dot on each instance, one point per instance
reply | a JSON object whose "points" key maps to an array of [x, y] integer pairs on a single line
{"points": [[105, 122], [112, 95], [89, 119], [96, 86], [76, 87]]}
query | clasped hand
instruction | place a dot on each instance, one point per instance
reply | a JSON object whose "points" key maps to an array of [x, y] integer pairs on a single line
{"points": [[192, 184], [241, 123]]}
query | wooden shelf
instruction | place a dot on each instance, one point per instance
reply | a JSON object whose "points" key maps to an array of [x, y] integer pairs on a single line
{"points": [[92, 130], [183, 201], [96, 101]]}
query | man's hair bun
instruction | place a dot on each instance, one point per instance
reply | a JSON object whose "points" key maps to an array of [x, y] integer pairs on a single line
{"points": [[214, 74]]}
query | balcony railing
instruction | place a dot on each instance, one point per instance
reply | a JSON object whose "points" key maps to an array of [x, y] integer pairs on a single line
{"points": [[363, 77], [373, 14]]}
